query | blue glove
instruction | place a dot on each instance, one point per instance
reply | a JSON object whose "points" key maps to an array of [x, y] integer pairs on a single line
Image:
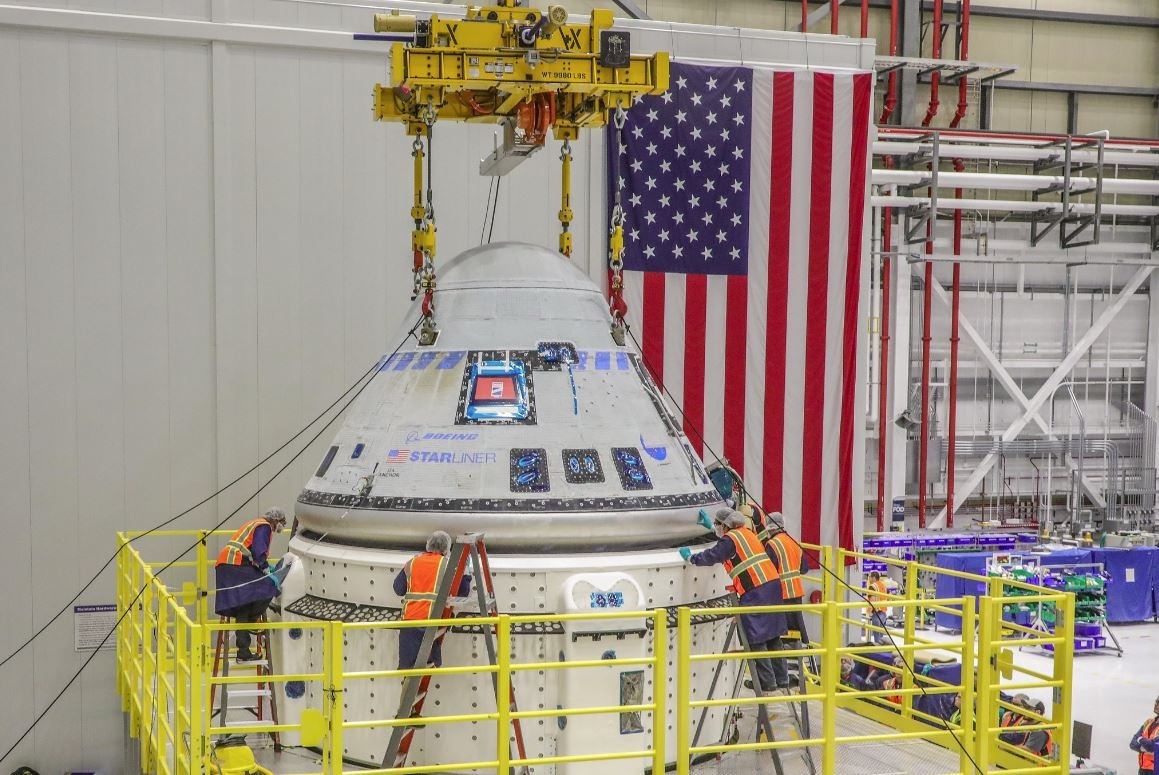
{"points": [[277, 582], [704, 520], [685, 553]]}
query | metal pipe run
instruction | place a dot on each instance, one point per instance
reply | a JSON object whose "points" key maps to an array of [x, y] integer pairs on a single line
{"points": [[865, 18], [1012, 182], [883, 369], [833, 6], [1022, 139], [936, 76], [1013, 206], [804, 15], [890, 102]]}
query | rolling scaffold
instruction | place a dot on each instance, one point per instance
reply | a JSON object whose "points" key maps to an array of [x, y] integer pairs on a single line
{"points": [[529, 71]]}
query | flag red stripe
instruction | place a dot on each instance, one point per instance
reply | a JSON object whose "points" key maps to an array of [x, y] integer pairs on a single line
{"points": [[695, 321], [858, 143], [812, 457], [652, 341], [735, 359], [780, 214]]}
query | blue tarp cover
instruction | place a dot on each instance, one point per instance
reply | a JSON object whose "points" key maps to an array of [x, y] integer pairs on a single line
{"points": [[1134, 577]]}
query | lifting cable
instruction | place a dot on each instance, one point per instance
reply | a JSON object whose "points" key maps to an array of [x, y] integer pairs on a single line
{"points": [[372, 372], [955, 734], [616, 304]]}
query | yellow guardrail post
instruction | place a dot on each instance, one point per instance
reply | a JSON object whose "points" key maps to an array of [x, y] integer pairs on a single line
{"points": [[148, 655], [503, 696], [683, 688], [967, 714], [161, 698], [202, 577], [1060, 711], [828, 585], [985, 717], [180, 692], [122, 632], [198, 713], [335, 687], [659, 689], [911, 593], [830, 670]]}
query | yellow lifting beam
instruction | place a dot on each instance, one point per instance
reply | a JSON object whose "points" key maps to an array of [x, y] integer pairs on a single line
{"points": [[483, 67]]}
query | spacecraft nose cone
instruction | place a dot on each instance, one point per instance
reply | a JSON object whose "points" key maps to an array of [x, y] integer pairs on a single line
{"points": [[524, 420]]}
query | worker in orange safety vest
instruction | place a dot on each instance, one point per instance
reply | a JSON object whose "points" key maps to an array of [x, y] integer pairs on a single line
{"points": [[245, 583], [417, 584], [1145, 741], [1038, 741]]}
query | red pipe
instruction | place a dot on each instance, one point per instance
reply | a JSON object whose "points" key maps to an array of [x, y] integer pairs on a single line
{"points": [[804, 15], [865, 18], [935, 78], [923, 441], [883, 368], [963, 54], [833, 5], [890, 102]]}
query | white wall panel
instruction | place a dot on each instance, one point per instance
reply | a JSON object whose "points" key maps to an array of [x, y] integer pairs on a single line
{"points": [[16, 677], [52, 378], [100, 424]]}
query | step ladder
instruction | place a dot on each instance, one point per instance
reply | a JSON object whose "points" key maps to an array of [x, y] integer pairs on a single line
{"points": [[468, 547], [252, 700], [764, 723]]}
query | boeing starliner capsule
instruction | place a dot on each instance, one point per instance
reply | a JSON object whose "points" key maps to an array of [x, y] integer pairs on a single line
{"points": [[526, 422]]}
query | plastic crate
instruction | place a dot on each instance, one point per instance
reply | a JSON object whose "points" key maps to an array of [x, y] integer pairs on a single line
{"points": [[1100, 641], [964, 541], [1087, 629]]}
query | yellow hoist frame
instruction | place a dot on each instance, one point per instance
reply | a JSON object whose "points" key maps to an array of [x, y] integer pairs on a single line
{"points": [[523, 67]]}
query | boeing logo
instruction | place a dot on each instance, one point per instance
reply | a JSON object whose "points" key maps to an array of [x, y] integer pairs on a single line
{"points": [[414, 436]]}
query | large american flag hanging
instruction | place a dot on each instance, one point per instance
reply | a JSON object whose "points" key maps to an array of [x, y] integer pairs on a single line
{"points": [[745, 199]]}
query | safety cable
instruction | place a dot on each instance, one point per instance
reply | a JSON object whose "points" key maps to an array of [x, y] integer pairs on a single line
{"points": [[170, 521], [494, 209], [893, 645], [487, 207], [372, 372]]}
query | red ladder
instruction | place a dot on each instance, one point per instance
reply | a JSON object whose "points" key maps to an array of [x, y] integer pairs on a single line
{"points": [[414, 688], [262, 691]]}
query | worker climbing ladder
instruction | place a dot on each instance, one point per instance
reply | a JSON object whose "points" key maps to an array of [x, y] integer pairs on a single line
{"points": [[253, 698], [469, 547], [764, 726]]}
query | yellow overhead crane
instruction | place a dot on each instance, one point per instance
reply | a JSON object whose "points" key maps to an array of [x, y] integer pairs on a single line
{"points": [[529, 71]]}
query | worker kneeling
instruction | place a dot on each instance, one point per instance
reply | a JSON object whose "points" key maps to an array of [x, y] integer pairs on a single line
{"points": [[418, 584], [1038, 741], [756, 583]]}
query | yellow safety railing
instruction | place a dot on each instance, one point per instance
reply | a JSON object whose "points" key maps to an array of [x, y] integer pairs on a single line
{"points": [[165, 645]]}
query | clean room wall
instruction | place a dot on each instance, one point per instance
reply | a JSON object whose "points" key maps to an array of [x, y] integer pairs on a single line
{"points": [[204, 240]]}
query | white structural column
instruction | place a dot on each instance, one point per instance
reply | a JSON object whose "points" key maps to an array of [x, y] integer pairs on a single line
{"points": [[1003, 376], [901, 274], [1047, 390], [1151, 380]]}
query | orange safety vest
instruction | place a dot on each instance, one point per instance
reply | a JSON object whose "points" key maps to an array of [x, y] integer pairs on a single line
{"points": [[787, 554], [1151, 732], [237, 550], [874, 586], [751, 566], [422, 581], [1008, 721]]}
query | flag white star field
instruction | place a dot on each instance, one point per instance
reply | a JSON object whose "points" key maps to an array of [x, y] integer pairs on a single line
{"points": [[744, 192]]}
